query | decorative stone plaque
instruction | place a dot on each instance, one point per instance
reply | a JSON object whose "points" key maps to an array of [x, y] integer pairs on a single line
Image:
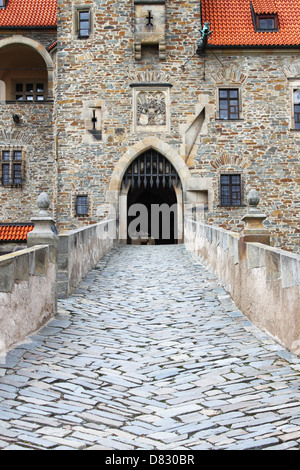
{"points": [[151, 108], [151, 102]]}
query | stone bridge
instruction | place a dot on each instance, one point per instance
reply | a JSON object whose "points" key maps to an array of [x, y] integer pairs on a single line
{"points": [[175, 347]]}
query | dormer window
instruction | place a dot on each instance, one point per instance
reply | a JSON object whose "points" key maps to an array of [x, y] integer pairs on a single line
{"points": [[266, 22], [264, 16], [3, 3]]}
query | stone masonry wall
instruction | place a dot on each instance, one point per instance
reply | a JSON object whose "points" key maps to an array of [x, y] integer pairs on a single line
{"points": [[263, 281], [100, 71], [262, 145], [34, 135], [80, 250], [102, 74], [22, 276]]}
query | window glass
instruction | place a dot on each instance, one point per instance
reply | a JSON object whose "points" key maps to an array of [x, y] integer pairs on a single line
{"points": [[17, 174], [29, 91], [6, 155], [12, 168], [223, 93], [5, 174], [228, 104], [223, 104], [82, 205], [17, 155], [267, 23], [297, 108], [84, 23], [231, 190]]}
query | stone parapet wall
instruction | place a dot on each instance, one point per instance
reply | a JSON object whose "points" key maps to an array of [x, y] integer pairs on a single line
{"points": [[27, 293], [80, 250], [263, 281]]}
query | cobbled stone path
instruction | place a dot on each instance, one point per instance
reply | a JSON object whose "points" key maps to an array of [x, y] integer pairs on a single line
{"points": [[149, 353]]}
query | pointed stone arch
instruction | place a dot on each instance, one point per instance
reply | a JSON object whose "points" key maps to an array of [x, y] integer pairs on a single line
{"points": [[135, 150], [40, 49], [118, 197]]}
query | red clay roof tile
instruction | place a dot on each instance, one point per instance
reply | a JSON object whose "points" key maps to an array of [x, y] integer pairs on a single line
{"points": [[14, 233], [232, 23], [29, 13], [264, 6]]}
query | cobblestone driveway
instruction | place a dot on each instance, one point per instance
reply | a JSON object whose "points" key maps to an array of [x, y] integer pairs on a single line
{"points": [[149, 353]]}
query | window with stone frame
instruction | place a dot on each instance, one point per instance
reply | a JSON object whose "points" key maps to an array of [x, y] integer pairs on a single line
{"points": [[12, 168], [229, 103], [29, 91], [296, 109], [83, 23], [230, 189], [82, 205]]}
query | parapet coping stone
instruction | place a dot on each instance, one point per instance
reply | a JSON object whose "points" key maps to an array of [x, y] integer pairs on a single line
{"points": [[18, 266]]}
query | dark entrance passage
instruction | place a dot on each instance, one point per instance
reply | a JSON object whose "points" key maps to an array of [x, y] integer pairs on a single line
{"points": [[152, 202]]}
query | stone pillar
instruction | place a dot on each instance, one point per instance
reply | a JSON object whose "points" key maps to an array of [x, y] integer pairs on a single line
{"points": [[254, 230], [43, 233]]}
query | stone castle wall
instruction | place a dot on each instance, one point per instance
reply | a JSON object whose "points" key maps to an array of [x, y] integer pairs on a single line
{"points": [[115, 72], [103, 72], [33, 135]]}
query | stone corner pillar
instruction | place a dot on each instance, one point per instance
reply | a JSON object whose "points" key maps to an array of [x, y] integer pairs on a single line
{"points": [[254, 230], [44, 231]]}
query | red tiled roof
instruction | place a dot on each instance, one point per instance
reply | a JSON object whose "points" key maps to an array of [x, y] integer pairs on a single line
{"points": [[14, 233], [232, 23], [264, 6], [29, 13], [52, 46]]}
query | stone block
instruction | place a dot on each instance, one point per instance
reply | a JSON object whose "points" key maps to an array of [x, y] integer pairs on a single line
{"points": [[289, 270], [62, 290], [7, 274], [31, 261], [273, 270], [63, 244], [62, 276], [62, 262], [41, 261], [256, 255], [21, 269], [234, 249], [224, 242]]}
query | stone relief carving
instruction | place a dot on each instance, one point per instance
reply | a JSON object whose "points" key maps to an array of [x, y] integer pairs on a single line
{"points": [[151, 108]]}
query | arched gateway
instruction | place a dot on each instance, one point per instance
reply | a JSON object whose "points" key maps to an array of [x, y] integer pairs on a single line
{"points": [[152, 186], [123, 195]]}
